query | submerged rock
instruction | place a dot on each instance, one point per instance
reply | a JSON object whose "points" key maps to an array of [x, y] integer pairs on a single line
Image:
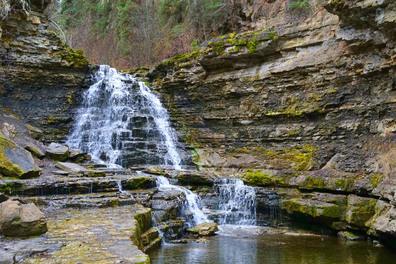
{"points": [[350, 235], [15, 161], [205, 229], [57, 152], [21, 220]]}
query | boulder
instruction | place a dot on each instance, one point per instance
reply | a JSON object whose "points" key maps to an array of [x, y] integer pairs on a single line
{"points": [[71, 167], [353, 236], [205, 229], [172, 229], [15, 161], [79, 156], [57, 152], [36, 151], [21, 220]]}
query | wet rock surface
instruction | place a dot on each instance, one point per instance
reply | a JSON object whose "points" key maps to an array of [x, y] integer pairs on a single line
{"points": [[205, 229], [92, 236]]}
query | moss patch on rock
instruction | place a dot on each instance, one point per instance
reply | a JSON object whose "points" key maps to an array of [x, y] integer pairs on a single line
{"points": [[140, 182], [360, 210], [313, 208], [263, 178], [229, 44], [299, 158], [73, 58], [15, 161]]}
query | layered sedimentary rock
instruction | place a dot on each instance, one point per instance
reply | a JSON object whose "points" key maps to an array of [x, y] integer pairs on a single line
{"points": [[309, 106], [324, 89], [41, 79]]}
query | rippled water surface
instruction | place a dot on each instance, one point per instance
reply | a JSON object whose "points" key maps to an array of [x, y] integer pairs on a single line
{"points": [[255, 245]]}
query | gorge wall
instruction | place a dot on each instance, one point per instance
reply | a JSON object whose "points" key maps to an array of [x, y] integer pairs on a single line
{"points": [[308, 108], [41, 79], [324, 88]]}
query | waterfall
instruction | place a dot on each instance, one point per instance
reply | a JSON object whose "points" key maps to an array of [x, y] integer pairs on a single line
{"points": [[121, 121], [191, 209], [236, 203]]}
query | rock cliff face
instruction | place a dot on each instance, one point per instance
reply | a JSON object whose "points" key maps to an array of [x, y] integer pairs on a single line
{"points": [[324, 88], [318, 95], [41, 79]]}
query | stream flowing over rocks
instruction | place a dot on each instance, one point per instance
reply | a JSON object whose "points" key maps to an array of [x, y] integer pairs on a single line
{"points": [[287, 127]]}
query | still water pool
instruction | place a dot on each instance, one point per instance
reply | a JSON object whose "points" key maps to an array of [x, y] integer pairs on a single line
{"points": [[261, 245]]}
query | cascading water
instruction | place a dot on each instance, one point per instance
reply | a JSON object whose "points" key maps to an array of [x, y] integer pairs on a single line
{"points": [[122, 122], [236, 203], [191, 209]]}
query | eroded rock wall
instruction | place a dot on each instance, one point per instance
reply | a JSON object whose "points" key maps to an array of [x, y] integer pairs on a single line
{"points": [[41, 78], [323, 89], [307, 109]]}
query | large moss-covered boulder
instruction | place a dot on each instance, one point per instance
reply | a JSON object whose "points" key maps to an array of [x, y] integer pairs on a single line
{"points": [[15, 161], [21, 220]]}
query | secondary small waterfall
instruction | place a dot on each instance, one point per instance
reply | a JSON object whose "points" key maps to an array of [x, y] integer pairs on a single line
{"points": [[123, 122], [191, 209], [237, 203]]}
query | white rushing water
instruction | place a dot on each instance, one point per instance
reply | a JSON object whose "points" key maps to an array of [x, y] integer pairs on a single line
{"points": [[116, 117], [237, 203], [192, 206]]}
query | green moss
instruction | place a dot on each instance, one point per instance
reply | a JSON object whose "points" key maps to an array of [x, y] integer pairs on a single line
{"points": [[329, 91], [375, 179], [94, 174], [334, 212], [74, 58], [234, 42], [294, 205], [299, 158], [261, 178], [142, 182], [298, 107], [345, 184], [360, 210], [313, 183], [11, 188], [8, 168], [143, 217], [313, 209], [195, 158]]}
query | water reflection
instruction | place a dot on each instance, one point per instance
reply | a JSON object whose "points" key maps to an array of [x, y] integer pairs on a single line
{"points": [[252, 245]]}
